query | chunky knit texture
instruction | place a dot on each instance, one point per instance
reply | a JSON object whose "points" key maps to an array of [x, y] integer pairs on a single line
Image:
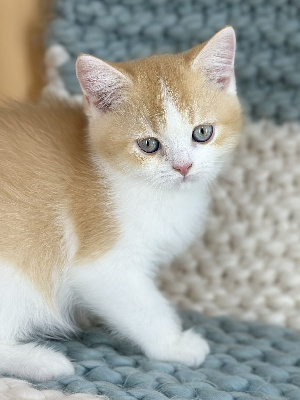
{"points": [[15, 389], [247, 361], [268, 38]]}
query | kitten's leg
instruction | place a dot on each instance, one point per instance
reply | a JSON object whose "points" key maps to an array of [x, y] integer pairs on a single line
{"points": [[129, 301], [21, 308]]}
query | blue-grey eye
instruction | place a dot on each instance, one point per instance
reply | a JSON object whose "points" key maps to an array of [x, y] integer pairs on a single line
{"points": [[203, 133], [149, 145]]}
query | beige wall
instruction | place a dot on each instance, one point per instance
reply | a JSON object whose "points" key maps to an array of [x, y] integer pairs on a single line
{"points": [[22, 25]]}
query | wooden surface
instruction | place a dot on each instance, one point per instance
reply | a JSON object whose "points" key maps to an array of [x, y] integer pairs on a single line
{"points": [[22, 25]]}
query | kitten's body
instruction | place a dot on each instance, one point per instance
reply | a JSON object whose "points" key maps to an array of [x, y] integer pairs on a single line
{"points": [[86, 216]]}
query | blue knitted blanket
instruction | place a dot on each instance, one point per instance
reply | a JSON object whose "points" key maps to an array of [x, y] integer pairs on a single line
{"points": [[268, 41], [248, 361]]}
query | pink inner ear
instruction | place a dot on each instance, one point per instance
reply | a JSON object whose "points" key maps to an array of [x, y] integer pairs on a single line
{"points": [[223, 81]]}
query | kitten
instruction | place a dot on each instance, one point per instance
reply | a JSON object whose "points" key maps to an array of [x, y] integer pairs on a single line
{"points": [[91, 205]]}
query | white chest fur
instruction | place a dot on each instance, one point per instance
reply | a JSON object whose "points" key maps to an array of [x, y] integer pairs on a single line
{"points": [[158, 224]]}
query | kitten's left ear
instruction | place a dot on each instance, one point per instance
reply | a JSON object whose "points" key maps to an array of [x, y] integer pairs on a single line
{"points": [[216, 58]]}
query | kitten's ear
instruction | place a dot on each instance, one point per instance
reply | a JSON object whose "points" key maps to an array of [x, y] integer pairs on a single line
{"points": [[216, 58], [103, 85]]}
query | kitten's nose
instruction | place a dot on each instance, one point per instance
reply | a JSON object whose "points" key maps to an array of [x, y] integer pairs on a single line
{"points": [[183, 168]]}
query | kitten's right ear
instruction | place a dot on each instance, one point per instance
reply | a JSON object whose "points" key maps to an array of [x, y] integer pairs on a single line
{"points": [[103, 85]]}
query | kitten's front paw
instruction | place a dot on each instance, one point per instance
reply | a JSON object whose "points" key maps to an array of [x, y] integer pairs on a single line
{"points": [[191, 350], [50, 366]]}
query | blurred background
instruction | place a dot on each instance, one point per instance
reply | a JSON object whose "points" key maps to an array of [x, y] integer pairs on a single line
{"points": [[22, 27]]}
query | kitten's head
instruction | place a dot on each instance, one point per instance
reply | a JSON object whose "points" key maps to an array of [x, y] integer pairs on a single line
{"points": [[169, 120]]}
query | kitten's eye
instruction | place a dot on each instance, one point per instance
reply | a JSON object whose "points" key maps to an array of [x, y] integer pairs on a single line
{"points": [[203, 133], [149, 145]]}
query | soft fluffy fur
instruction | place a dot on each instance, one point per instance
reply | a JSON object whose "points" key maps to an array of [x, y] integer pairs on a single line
{"points": [[86, 216]]}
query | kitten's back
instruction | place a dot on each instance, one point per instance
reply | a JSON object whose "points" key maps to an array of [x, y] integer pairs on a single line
{"points": [[51, 202]]}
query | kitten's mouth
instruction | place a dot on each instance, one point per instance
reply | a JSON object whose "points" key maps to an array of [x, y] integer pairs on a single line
{"points": [[180, 181], [186, 180]]}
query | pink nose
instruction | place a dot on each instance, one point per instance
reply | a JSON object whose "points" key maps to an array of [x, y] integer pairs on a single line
{"points": [[183, 169]]}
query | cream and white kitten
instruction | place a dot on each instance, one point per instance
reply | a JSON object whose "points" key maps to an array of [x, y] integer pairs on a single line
{"points": [[91, 205]]}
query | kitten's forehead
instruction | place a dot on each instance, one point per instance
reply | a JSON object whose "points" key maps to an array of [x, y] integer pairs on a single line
{"points": [[167, 91], [158, 82]]}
